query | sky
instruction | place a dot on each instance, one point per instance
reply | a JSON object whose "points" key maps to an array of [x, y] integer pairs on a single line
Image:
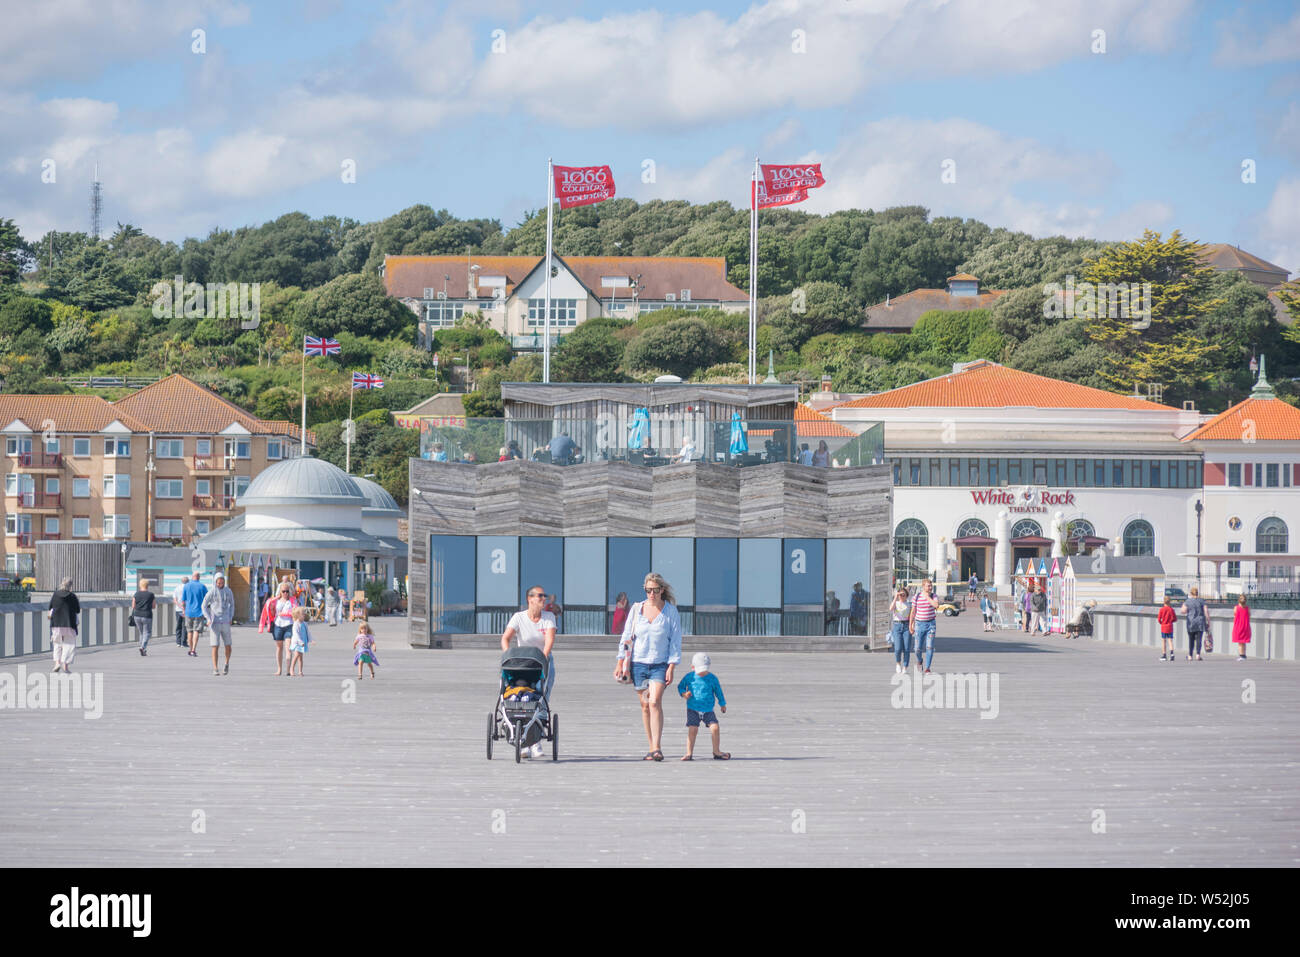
{"points": [[1095, 118]]}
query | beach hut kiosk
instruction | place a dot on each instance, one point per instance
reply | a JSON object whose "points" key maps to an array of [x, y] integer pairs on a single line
{"points": [[1110, 580]]}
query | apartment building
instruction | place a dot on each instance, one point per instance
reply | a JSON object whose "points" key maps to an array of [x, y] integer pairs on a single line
{"points": [[163, 464], [509, 291]]}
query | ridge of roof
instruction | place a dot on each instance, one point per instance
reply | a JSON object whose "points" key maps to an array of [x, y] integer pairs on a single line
{"points": [[1271, 420], [163, 391]]}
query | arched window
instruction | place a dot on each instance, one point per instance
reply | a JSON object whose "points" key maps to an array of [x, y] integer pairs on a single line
{"points": [[1080, 528], [1139, 538], [1271, 535], [1025, 528], [911, 550], [972, 526]]}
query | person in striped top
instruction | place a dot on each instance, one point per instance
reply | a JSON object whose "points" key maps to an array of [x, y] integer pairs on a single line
{"points": [[921, 623]]}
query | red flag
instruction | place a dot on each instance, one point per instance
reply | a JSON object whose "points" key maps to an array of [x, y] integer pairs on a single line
{"points": [[583, 185], [767, 200], [789, 177]]}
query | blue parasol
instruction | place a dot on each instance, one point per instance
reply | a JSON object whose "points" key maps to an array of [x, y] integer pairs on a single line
{"points": [[739, 443], [639, 431]]}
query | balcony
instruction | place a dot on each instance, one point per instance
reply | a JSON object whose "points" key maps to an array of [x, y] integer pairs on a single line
{"points": [[211, 463], [24, 539], [212, 503], [50, 536], [39, 461], [40, 500]]}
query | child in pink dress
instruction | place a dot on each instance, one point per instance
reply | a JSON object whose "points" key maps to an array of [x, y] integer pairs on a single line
{"points": [[365, 648]]}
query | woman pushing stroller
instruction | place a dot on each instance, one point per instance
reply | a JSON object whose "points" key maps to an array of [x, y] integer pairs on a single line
{"points": [[534, 628]]}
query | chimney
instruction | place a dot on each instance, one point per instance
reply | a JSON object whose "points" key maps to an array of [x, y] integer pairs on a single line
{"points": [[826, 383], [886, 300]]}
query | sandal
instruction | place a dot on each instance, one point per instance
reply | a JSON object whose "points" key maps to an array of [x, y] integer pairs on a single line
{"points": [[649, 756], [657, 755], [688, 757], [722, 756]]}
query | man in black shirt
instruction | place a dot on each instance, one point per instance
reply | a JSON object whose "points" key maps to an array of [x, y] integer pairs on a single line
{"points": [[142, 611]]}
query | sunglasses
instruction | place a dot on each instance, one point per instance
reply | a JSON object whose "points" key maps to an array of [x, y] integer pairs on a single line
{"points": [[652, 590]]}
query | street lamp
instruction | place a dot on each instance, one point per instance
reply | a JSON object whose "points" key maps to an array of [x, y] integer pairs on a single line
{"points": [[1199, 509]]}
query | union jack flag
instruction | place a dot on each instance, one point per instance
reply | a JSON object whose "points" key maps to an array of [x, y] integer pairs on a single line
{"points": [[364, 380], [321, 347]]}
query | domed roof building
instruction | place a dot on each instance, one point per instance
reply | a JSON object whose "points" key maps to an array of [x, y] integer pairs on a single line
{"points": [[310, 515]]}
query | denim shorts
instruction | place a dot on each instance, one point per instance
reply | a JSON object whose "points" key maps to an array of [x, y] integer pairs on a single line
{"points": [[643, 674], [281, 632]]}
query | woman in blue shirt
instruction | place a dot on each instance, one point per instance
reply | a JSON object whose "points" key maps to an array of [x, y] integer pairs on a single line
{"points": [[655, 631]]}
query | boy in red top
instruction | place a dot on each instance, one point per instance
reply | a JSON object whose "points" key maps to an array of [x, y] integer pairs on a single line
{"points": [[1167, 616]]}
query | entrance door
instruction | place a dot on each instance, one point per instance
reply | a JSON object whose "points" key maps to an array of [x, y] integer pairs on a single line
{"points": [[1024, 551], [974, 559]]}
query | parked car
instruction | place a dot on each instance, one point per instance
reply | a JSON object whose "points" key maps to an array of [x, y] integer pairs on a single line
{"points": [[950, 607], [1174, 593]]}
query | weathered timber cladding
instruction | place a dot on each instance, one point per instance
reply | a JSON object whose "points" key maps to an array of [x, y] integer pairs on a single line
{"points": [[692, 500], [535, 400], [92, 566]]}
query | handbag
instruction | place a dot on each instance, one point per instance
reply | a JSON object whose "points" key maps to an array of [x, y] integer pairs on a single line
{"points": [[1209, 642], [130, 621]]}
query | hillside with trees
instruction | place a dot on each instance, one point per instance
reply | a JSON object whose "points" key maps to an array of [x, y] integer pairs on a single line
{"points": [[71, 305]]}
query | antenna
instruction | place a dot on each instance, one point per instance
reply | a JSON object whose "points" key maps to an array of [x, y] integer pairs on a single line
{"points": [[96, 204]]}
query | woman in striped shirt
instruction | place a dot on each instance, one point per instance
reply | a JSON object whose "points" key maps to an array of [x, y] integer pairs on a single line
{"points": [[922, 623]]}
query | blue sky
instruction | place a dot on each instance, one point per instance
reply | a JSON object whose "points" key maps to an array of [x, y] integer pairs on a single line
{"points": [[1047, 133]]}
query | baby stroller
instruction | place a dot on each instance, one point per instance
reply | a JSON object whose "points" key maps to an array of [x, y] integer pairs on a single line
{"points": [[522, 715]]}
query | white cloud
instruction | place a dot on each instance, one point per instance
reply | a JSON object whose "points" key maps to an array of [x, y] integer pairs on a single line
{"points": [[1279, 227], [899, 162], [1247, 41], [704, 68], [77, 39]]}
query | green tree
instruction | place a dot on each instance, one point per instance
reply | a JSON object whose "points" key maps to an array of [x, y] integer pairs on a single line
{"points": [[279, 404], [813, 309], [591, 353], [1062, 351], [358, 304], [680, 347], [21, 313], [15, 254], [1162, 347]]}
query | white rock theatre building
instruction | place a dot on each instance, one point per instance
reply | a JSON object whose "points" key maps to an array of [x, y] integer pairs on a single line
{"points": [[991, 465]]}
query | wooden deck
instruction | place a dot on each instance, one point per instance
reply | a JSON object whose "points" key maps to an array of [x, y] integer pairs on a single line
{"points": [[286, 771]]}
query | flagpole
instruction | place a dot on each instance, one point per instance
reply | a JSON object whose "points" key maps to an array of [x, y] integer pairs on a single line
{"points": [[753, 266], [550, 203], [302, 452], [347, 465]]}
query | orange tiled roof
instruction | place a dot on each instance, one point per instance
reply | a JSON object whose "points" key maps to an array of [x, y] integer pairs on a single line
{"points": [[182, 406], [985, 384], [1271, 420], [813, 424], [69, 413], [901, 312], [965, 276], [406, 277]]}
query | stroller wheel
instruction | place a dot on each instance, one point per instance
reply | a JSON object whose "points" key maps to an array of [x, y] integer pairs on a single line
{"points": [[519, 740], [492, 727], [555, 737]]}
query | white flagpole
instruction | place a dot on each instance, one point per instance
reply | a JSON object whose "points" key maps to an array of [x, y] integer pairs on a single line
{"points": [[753, 266], [550, 203], [347, 435], [303, 448]]}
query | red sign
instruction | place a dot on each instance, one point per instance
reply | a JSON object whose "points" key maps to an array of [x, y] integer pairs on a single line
{"points": [[791, 176], [583, 185], [1028, 500]]}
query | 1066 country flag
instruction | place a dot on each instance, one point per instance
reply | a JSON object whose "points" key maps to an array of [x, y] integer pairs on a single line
{"points": [[313, 346], [583, 185], [364, 380]]}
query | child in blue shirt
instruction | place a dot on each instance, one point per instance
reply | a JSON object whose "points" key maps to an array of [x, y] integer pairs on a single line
{"points": [[699, 688]]}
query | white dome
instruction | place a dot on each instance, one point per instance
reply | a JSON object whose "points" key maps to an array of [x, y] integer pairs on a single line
{"points": [[303, 481], [377, 497]]}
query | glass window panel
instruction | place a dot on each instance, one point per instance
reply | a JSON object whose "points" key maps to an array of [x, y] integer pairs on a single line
{"points": [[584, 571], [848, 561], [804, 571], [716, 572], [629, 561], [1013, 471], [760, 573], [674, 559], [451, 584], [541, 562], [498, 571], [994, 471]]}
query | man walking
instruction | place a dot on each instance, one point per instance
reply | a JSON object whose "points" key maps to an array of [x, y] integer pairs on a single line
{"points": [[219, 610], [1039, 601], [142, 611], [178, 606], [263, 593], [333, 605], [192, 596]]}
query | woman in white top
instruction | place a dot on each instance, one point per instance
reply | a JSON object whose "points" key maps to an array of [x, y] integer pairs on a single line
{"points": [[534, 628], [687, 453], [652, 637]]}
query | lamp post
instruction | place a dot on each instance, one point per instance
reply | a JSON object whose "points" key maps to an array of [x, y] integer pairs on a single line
{"points": [[1199, 509]]}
